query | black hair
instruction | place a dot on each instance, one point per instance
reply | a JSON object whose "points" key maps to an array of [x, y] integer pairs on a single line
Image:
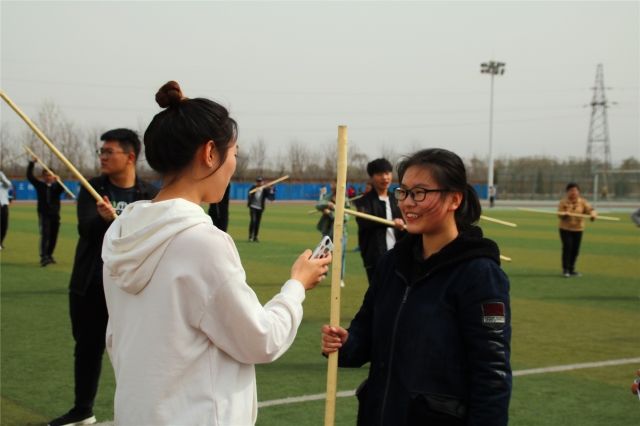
{"points": [[449, 172], [175, 134], [379, 165], [128, 139], [572, 185]]}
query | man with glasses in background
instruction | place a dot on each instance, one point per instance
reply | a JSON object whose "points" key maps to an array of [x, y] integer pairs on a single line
{"points": [[374, 239], [119, 186]]}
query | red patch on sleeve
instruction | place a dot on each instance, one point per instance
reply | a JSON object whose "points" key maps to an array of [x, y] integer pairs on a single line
{"points": [[493, 315]]}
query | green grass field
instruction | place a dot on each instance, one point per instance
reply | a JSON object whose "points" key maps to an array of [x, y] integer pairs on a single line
{"points": [[556, 321]]}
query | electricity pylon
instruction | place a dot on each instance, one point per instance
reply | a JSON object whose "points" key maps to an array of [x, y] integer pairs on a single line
{"points": [[598, 148]]}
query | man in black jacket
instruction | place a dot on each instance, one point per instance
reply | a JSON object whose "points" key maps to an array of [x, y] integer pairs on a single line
{"points": [[374, 239], [48, 191], [219, 212], [119, 186], [256, 203]]}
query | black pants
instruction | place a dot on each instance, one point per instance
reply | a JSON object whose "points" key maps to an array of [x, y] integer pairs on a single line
{"points": [[49, 226], [570, 249], [254, 224], [89, 325], [4, 222]]}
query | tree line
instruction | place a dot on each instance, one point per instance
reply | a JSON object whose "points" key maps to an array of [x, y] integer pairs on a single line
{"points": [[529, 177]]}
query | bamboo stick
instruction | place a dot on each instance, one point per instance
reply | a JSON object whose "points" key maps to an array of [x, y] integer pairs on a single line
{"points": [[273, 182], [84, 182], [336, 270], [44, 166], [568, 213], [501, 222], [371, 217]]}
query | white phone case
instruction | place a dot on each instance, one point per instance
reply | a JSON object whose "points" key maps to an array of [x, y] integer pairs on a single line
{"points": [[323, 248]]}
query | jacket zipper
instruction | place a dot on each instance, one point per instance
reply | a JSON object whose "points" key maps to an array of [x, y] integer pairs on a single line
{"points": [[393, 344]]}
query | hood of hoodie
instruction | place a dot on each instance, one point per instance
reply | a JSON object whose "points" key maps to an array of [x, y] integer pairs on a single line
{"points": [[136, 241]]}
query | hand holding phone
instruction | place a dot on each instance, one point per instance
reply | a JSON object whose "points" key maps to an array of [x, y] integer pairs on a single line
{"points": [[322, 250]]}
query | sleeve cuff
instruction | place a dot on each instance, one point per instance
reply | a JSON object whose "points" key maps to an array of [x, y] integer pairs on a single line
{"points": [[295, 289]]}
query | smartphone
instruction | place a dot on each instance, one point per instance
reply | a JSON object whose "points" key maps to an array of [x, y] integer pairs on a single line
{"points": [[322, 250]]}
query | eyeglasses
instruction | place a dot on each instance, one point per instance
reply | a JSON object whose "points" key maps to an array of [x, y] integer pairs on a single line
{"points": [[108, 152], [417, 194]]}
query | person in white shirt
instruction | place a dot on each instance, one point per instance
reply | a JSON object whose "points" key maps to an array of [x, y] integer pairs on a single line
{"points": [[185, 329], [5, 187]]}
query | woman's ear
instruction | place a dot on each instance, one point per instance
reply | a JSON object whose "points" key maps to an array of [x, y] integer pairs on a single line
{"points": [[209, 153], [456, 200]]}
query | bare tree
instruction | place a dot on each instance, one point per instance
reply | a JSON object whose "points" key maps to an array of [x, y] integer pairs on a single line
{"points": [[11, 153], [258, 155], [330, 162], [299, 159], [387, 151], [242, 165], [358, 163]]}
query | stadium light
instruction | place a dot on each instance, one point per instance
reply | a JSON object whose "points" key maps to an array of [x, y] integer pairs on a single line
{"points": [[494, 68]]}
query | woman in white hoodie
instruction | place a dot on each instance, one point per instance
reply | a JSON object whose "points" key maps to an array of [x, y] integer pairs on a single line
{"points": [[185, 329]]}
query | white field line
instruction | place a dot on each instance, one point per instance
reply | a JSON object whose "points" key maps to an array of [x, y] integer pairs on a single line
{"points": [[554, 369]]}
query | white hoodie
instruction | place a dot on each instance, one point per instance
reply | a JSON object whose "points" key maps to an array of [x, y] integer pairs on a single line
{"points": [[185, 330]]}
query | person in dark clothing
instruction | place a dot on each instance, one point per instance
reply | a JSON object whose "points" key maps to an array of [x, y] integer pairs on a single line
{"points": [[435, 324], [48, 191], [119, 186], [374, 239], [256, 203], [219, 212]]}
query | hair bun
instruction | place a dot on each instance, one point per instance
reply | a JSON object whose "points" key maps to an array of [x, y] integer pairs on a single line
{"points": [[169, 95]]}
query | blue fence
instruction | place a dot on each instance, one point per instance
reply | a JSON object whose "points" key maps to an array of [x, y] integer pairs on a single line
{"points": [[23, 190]]}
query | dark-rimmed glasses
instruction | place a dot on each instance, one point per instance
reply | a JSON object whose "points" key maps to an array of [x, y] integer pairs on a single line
{"points": [[108, 152], [417, 194]]}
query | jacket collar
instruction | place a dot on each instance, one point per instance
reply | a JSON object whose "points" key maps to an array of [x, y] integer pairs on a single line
{"points": [[469, 244]]}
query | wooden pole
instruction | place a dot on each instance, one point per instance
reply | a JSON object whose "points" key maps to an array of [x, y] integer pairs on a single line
{"points": [[44, 166], [336, 271], [273, 182], [371, 217], [501, 222], [568, 213], [53, 148]]}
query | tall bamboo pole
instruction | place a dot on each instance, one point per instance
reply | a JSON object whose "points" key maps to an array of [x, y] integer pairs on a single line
{"points": [[52, 147], [336, 270], [273, 182], [612, 218]]}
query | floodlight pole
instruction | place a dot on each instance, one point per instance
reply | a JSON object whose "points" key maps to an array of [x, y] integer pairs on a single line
{"points": [[494, 68]]}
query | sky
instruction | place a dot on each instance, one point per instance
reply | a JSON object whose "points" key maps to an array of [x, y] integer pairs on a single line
{"points": [[399, 75]]}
